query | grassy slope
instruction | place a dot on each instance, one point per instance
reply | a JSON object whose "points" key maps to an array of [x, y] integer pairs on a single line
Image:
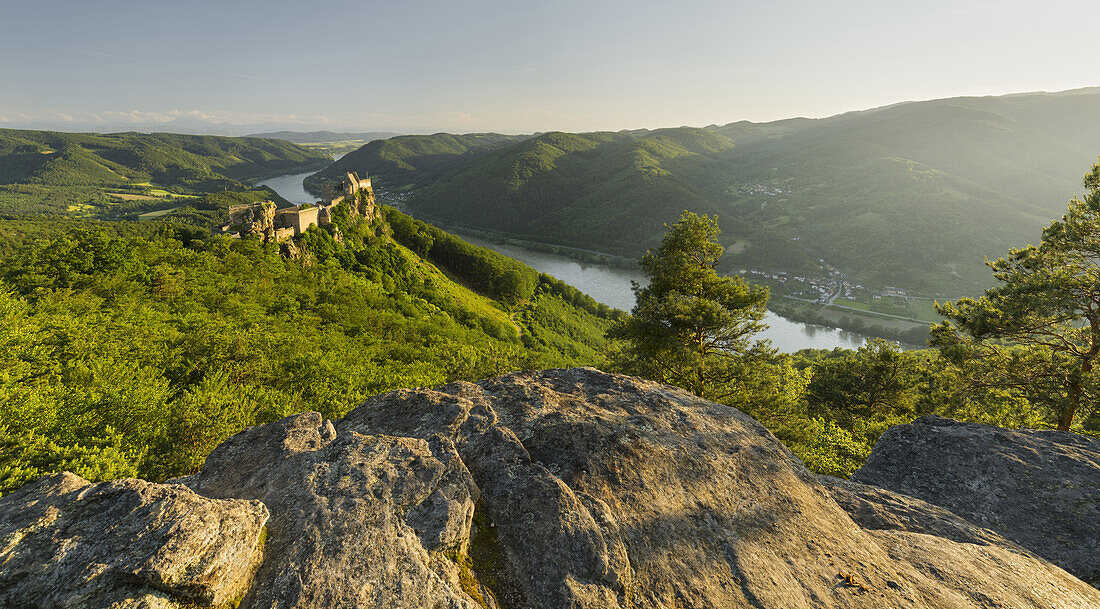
{"points": [[51, 172], [915, 194]]}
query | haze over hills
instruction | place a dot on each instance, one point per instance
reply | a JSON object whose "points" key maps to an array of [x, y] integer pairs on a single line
{"points": [[408, 159], [304, 137], [915, 194]]}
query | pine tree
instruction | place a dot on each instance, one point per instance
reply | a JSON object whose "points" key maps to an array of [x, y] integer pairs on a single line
{"points": [[692, 327], [1038, 332]]}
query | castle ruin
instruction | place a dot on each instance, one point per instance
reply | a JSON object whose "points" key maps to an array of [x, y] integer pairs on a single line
{"points": [[263, 219]]}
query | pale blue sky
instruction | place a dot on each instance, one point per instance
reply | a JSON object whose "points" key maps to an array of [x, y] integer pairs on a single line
{"points": [[516, 66]]}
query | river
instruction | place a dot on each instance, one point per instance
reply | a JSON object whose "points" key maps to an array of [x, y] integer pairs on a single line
{"points": [[611, 286], [290, 187]]}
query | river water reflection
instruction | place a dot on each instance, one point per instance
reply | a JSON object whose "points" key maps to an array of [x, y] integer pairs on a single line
{"points": [[290, 187], [611, 286]]}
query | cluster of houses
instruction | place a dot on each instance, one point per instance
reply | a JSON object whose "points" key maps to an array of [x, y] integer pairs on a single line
{"points": [[396, 199], [819, 289], [761, 189]]}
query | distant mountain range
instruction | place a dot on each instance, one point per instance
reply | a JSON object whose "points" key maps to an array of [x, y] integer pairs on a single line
{"points": [[915, 194], [317, 137]]}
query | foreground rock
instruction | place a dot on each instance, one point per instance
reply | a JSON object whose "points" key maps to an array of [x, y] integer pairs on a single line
{"points": [[356, 521], [877, 509], [944, 547], [574, 489], [608, 491], [65, 542], [1039, 489]]}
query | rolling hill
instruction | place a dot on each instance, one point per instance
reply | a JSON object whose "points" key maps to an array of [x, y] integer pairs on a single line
{"points": [[915, 194], [401, 161], [83, 173]]}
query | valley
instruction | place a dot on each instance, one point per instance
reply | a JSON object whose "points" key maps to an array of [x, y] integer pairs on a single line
{"points": [[914, 195], [610, 285], [549, 305]]}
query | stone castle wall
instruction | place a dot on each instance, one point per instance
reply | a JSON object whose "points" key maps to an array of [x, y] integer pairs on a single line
{"points": [[265, 220]]}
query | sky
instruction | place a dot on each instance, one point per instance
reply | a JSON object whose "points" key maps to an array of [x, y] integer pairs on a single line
{"points": [[518, 66]]}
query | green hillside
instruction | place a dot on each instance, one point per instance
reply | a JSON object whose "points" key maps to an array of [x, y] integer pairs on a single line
{"points": [[132, 348], [135, 348], [915, 194], [90, 174], [403, 160], [136, 345], [918, 194], [586, 186]]}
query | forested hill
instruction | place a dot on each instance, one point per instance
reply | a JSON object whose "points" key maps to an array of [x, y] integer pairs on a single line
{"points": [[134, 348], [915, 194], [85, 174], [403, 160]]}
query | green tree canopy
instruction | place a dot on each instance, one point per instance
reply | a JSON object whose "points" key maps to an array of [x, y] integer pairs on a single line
{"points": [[876, 382], [692, 327], [1038, 331]]}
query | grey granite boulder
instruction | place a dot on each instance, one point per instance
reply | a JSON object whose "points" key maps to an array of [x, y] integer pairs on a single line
{"points": [[1039, 489], [556, 489], [65, 542], [356, 520], [951, 550], [877, 509], [605, 491]]}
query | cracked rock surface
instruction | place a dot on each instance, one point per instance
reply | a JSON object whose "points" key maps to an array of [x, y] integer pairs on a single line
{"points": [[947, 548], [610, 491], [356, 520], [1037, 488], [558, 489], [65, 542]]}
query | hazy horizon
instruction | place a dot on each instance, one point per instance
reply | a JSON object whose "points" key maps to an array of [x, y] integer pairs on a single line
{"points": [[424, 67]]}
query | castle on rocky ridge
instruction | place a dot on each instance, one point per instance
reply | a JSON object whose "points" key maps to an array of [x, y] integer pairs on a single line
{"points": [[264, 219], [335, 192]]}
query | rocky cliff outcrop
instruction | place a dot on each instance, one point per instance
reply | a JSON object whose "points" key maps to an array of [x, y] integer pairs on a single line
{"points": [[578, 489], [65, 542], [253, 219], [1037, 488]]}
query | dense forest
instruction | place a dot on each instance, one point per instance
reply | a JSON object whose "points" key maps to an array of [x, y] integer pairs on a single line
{"points": [[134, 349], [404, 161], [915, 194]]}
